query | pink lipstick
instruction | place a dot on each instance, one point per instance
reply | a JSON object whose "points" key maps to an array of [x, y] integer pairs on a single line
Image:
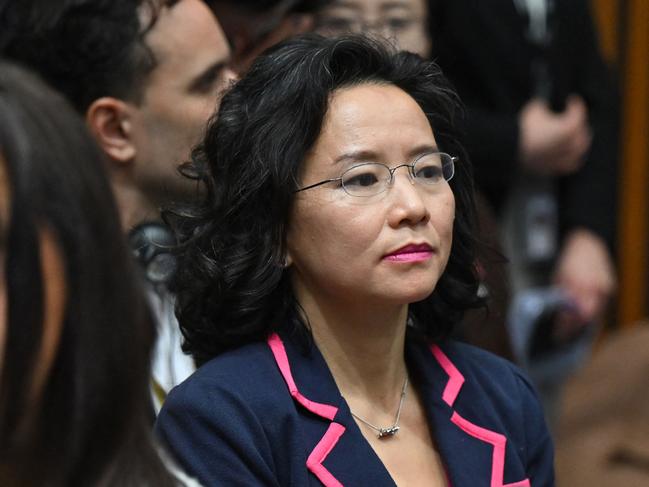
{"points": [[411, 253]]}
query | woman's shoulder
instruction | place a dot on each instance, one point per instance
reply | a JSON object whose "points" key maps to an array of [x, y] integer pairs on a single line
{"points": [[253, 358], [225, 421], [245, 376], [476, 362]]}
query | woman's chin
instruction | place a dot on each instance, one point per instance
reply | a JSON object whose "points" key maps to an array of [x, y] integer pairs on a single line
{"points": [[410, 295]]}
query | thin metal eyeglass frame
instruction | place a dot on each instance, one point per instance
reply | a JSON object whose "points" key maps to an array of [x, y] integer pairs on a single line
{"points": [[410, 166]]}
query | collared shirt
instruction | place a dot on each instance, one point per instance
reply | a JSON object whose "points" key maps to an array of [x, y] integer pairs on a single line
{"points": [[170, 365]]}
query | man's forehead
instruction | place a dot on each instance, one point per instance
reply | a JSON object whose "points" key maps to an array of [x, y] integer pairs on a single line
{"points": [[187, 45], [186, 28]]}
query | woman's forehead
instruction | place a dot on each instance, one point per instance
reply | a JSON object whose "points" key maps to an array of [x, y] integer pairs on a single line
{"points": [[378, 122], [375, 113]]}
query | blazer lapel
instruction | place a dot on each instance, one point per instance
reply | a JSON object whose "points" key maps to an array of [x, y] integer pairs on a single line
{"points": [[337, 453], [473, 454]]}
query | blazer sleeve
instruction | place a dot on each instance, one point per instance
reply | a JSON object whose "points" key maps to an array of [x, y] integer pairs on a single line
{"points": [[216, 436], [539, 454]]}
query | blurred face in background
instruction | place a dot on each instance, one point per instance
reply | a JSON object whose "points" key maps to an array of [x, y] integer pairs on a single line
{"points": [[251, 30], [180, 95], [404, 22]]}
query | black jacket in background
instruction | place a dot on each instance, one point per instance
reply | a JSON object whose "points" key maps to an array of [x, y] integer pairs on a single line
{"points": [[482, 47]]}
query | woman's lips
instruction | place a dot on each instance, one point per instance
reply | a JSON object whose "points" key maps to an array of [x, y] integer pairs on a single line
{"points": [[411, 253]]}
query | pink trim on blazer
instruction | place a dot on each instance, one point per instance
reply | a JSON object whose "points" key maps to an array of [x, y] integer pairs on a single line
{"points": [[452, 389], [333, 433], [497, 441], [320, 452]]}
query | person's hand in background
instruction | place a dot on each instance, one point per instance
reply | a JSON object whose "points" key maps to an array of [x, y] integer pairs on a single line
{"points": [[551, 143], [586, 273]]}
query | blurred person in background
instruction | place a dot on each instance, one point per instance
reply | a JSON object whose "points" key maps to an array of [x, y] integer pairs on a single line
{"points": [[542, 130], [405, 22], [146, 75], [252, 26], [76, 333]]}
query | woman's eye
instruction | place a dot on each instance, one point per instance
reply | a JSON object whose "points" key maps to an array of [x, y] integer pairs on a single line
{"points": [[429, 173], [397, 24], [365, 179]]}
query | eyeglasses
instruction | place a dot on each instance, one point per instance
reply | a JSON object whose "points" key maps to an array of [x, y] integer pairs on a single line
{"points": [[372, 178], [335, 25]]}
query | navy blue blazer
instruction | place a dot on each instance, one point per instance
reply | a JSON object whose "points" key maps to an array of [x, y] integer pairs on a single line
{"points": [[271, 414]]}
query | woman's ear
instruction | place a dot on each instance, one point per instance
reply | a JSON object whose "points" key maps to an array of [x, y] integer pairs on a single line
{"points": [[109, 120]]}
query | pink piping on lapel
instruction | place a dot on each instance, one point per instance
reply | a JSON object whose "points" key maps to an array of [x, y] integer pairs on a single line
{"points": [[320, 452], [498, 441], [455, 378], [333, 433], [324, 410]]}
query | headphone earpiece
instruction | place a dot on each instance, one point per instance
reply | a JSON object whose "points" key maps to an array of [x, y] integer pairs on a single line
{"points": [[152, 244]]}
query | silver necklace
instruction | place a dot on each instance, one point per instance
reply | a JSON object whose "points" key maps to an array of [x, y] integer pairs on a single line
{"points": [[390, 430]]}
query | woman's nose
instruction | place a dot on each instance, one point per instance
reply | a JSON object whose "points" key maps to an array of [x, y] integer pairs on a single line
{"points": [[407, 200]]}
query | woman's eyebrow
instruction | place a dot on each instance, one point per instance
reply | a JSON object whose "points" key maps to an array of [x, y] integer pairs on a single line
{"points": [[394, 5], [345, 4], [365, 155], [360, 155], [421, 149]]}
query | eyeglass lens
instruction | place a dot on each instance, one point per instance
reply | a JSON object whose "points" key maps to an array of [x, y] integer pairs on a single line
{"points": [[372, 178]]}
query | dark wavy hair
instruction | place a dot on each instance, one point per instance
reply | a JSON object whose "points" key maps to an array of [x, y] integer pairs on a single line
{"points": [[231, 286], [85, 49], [91, 423]]}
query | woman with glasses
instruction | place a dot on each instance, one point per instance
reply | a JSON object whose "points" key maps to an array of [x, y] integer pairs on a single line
{"points": [[320, 279]]}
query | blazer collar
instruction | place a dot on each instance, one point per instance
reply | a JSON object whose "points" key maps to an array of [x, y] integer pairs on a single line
{"points": [[339, 447], [473, 455]]}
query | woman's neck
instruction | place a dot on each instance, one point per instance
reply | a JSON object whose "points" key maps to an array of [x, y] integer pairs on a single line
{"points": [[363, 348]]}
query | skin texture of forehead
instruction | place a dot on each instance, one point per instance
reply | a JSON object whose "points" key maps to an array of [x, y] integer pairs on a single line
{"points": [[350, 106]]}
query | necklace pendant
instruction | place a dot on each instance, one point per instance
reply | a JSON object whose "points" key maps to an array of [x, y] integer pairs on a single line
{"points": [[387, 432]]}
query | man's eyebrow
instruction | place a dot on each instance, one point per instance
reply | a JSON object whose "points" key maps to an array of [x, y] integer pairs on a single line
{"points": [[208, 76]]}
